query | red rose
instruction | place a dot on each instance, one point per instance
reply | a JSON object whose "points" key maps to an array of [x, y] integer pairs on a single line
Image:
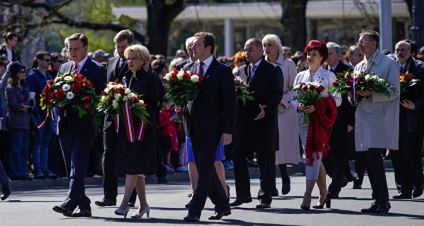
{"points": [[121, 91], [87, 107], [79, 77], [59, 93], [76, 87], [89, 85], [86, 98]]}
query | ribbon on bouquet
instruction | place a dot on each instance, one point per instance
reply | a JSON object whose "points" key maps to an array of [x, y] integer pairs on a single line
{"points": [[354, 90], [48, 114], [129, 127]]}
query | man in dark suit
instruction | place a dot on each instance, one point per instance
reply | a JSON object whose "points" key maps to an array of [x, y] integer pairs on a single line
{"points": [[211, 118], [257, 127], [117, 68], [76, 134], [337, 162], [407, 160]]}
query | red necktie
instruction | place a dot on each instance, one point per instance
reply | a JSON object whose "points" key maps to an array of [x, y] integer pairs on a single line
{"points": [[75, 68], [200, 74]]}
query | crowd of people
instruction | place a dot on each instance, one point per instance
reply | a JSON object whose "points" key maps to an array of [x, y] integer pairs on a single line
{"points": [[218, 131]]}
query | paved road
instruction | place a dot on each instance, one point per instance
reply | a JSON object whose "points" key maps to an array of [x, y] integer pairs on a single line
{"points": [[29, 206]]}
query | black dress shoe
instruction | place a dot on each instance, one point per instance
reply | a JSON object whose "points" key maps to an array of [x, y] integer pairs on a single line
{"points": [[219, 215], [305, 207], [240, 201], [274, 193], [372, 209], [418, 191], [105, 202], [263, 205], [402, 196], [346, 181], [131, 204], [82, 213], [63, 210], [383, 208], [6, 192], [191, 217]]}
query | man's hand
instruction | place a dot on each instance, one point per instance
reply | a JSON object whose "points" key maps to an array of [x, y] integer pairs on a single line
{"points": [[365, 93], [407, 104], [309, 109], [349, 128], [262, 113], [226, 138]]}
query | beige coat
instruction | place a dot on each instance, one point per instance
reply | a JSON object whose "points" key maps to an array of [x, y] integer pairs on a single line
{"points": [[288, 128], [377, 118]]}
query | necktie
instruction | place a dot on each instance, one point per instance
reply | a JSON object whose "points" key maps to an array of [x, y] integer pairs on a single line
{"points": [[402, 69], [74, 69], [252, 72], [200, 71], [122, 64]]}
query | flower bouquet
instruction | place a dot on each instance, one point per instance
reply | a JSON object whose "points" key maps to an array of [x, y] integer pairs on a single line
{"points": [[352, 82], [307, 93], [69, 89], [407, 81], [183, 86], [242, 90], [121, 102]]}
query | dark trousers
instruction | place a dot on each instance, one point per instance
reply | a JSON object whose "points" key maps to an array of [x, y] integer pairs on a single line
{"points": [[339, 162], [208, 184], [360, 165], [377, 175], [407, 162], [110, 144], [266, 162], [5, 148], [76, 151]]}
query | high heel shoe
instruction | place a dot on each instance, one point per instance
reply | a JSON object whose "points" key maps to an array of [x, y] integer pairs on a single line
{"points": [[139, 214], [122, 212], [304, 207], [327, 203]]}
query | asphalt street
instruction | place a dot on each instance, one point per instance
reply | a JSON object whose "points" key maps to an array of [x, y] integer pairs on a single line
{"points": [[33, 206]]}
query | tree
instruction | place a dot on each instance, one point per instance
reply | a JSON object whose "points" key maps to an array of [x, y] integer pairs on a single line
{"points": [[159, 19], [293, 20]]}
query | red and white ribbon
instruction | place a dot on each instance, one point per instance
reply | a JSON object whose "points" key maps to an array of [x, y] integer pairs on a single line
{"points": [[129, 127]]}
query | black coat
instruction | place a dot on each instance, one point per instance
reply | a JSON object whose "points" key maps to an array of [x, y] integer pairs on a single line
{"points": [[412, 121], [139, 157], [72, 124], [3, 51], [267, 87], [214, 109], [339, 140], [17, 118]]}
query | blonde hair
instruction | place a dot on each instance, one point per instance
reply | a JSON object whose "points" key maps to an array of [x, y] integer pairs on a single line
{"points": [[141, 53]]}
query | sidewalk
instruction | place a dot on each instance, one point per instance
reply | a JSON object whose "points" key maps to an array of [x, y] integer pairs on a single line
{"points": [[177, 176]]}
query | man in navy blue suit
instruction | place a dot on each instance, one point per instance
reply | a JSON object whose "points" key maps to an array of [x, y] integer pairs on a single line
{"points": [[76, 134], [211, 118]]}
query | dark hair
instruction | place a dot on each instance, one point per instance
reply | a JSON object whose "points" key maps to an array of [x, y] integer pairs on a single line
{"points": [[79, 36], [39, 56], [374, 36], [158, 65], [13, 69], [319, 46], [208, 40], [9, 36], [124, 35], [54, 56]]}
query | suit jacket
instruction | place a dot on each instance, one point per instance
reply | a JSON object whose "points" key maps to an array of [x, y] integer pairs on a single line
{"points": [[181, 64], [345, 116], [412, 121], [72, 124], [214, 110], [114, 73], [267, 86]]}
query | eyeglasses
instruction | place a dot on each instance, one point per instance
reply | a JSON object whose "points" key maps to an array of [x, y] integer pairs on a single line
{"points": [[362, 42]]}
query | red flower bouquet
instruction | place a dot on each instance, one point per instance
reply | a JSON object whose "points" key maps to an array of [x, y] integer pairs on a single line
{"points": [[407, 81], [242, 90], [69, 89], [307, 93]]}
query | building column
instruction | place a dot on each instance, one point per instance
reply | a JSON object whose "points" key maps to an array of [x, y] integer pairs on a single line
{"points": [[386, 41], [229, 37]]}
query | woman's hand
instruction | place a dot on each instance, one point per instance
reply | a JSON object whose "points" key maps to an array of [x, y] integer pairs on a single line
{"points": [[309, 109]]}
